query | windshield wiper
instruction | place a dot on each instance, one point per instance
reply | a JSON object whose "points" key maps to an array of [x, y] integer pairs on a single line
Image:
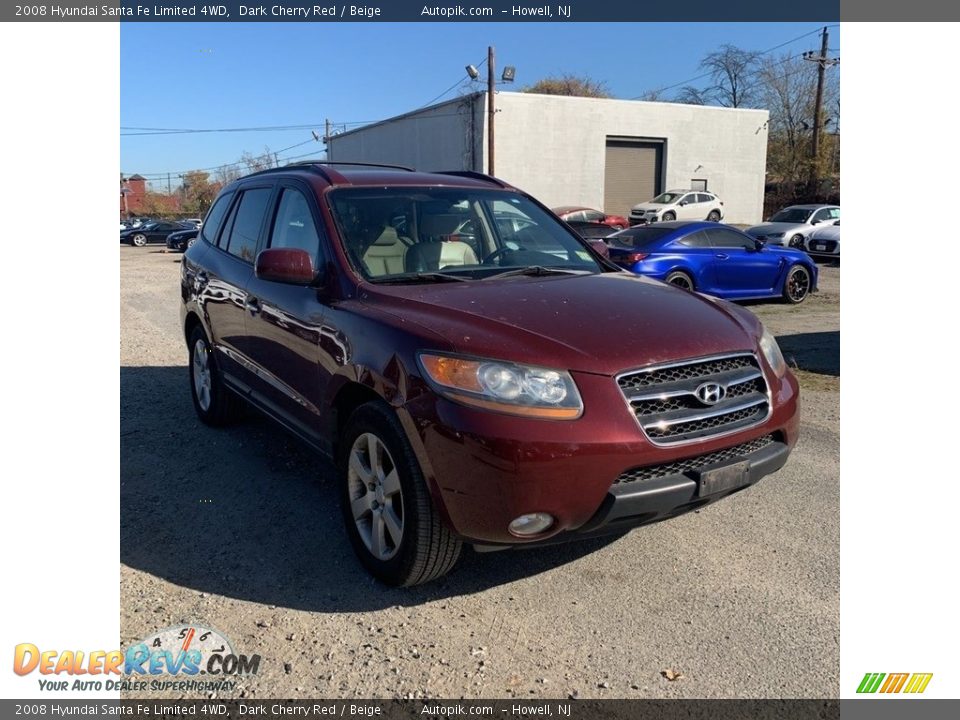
{"points": [[535, 271], [420, 277]]}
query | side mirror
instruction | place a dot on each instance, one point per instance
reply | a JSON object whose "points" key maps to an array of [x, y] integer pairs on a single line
{"points": [[682, 203], [285, 265], [758, 245], [815, 222], [600, 246], [836, 222]]}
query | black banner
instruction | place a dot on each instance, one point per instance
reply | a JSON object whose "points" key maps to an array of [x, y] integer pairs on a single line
{"points": [[185, 709], [423, 11]]}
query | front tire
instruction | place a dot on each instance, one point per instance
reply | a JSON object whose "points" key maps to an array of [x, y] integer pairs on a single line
{"points": [[139, 240], [797, 285], [680, 279], [215, 404], [392, 524], [796, 241], [669, 215]]}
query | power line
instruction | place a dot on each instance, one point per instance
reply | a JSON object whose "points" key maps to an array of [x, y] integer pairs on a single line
{"points": [[709, 74], [191, 131]]}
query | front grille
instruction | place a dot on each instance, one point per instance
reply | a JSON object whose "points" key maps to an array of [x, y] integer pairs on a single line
{"points": [[829, 246], [665, 400], [693, 464]]}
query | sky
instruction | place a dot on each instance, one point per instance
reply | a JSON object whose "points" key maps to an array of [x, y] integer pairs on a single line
{"points": [[246, 75]]}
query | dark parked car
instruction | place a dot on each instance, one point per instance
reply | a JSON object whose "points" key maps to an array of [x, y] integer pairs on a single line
{"points": [[574, 214], [517, 389], [182, 239], [592, 231], [150, 233], [715, 259]]}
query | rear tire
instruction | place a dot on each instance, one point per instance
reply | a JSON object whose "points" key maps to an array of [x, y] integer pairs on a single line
{"points": [[390, 519], [215, 404], [714, 216], [796, 287], [680, 279]]}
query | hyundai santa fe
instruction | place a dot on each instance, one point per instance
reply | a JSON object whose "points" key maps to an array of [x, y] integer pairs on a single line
{"points": [[478, 373]]}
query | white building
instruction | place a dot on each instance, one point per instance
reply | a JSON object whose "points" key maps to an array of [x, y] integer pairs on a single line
{"points": [[607, 154]]}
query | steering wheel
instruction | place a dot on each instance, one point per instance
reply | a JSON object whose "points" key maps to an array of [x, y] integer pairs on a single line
{"points": [[497, 253]]}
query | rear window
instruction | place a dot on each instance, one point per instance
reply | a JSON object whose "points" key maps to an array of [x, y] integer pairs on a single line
{"points": [[638, 237]]}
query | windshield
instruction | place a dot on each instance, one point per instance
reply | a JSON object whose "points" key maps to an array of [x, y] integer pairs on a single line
{"points": [[792, 215], [638, 237], [408, 234], [667, 198]]}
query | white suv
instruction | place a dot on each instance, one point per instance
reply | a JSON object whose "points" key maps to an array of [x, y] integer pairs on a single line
{"points": [[678, 205]]}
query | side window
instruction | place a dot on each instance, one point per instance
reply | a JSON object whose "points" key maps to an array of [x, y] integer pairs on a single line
{"points": [[820, 215], [688, 199], [214, 219], [834, 213], [247, 221], [593, 216], [293, 226], [704, 198], [723, 238], [695, 240]]}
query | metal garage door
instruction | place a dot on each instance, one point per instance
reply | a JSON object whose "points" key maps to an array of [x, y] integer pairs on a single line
{"points": [[632, 174]]}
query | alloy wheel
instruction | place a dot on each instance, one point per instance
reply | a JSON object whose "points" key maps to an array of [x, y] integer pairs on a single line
{"points": [[139, 240], [200, 369], [376, 498], [798, 284]]}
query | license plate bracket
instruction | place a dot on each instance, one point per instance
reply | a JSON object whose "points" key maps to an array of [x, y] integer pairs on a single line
{"points": [[722, 479], [821, 247]]}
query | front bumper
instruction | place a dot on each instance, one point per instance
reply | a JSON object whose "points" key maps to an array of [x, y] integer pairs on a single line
{"points": [[485, 469]]}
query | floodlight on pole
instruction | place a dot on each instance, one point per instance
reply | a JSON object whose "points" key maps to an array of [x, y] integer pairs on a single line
{"points": [[473, 72]]}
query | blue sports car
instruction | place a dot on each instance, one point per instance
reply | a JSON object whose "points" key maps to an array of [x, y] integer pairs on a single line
{"points": [[714, 259]]}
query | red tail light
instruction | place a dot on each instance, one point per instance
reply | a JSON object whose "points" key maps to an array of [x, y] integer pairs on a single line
{"points": [[636, 257]]}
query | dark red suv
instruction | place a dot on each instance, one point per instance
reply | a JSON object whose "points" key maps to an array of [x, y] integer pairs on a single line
{"points": [[477, 371]]}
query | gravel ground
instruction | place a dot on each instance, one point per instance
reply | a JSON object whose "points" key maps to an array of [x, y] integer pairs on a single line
{"points": [[238, 529]]}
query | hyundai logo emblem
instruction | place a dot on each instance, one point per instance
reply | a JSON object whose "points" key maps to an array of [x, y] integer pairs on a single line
{"points": [[710, 393]]}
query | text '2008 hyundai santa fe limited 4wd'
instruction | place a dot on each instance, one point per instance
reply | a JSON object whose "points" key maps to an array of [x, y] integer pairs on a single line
{"points": [[477, 371]]}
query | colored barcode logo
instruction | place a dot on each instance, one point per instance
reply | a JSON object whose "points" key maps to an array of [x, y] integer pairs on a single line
{"points": [[894, 682]]}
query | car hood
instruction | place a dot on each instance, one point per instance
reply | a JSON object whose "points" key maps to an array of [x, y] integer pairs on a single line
{"points": [[830, 232], [648, 207], [604, 323], [777, 227]]}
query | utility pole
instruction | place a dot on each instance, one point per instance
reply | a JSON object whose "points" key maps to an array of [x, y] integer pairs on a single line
{"points": [[326, 138], [823, 62], [491, 82], [169, 191]]}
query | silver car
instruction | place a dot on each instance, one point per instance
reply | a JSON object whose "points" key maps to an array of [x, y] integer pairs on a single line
{"points": [[824, 241], [792, 225]]}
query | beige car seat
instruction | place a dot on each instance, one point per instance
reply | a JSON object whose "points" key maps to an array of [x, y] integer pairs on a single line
{"points": [[387, 254], [437, 248]]}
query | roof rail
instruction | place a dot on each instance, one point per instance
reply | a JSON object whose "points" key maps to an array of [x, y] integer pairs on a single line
{"points": [[358, 164], [473, 174]]}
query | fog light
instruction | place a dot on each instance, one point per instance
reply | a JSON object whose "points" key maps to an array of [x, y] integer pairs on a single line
{"points": [[531, 524]]}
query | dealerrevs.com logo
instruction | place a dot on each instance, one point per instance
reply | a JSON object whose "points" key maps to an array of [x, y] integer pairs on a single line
{"points": [[910, 683], [171, 659]]}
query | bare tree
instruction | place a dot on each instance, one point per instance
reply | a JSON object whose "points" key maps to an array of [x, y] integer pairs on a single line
{"points": [[226, 174], [569, 84], [787, 87], [654, 95], [690, 95], [256, 163], [733, 74]]}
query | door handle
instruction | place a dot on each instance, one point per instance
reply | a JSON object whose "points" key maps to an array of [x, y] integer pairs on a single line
{"points": [[252, 304], [722, 256]]}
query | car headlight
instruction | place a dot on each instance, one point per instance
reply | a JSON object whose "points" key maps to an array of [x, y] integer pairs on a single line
{"points": [[771, 351], [504, 386]]}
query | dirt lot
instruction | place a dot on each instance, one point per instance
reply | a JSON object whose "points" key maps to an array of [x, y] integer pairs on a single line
{"points": [[239, 529]]}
